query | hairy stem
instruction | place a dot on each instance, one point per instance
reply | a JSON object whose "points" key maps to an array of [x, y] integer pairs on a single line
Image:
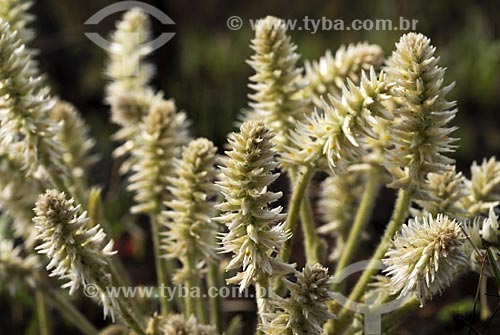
{"points": [[363, 214], [130, 319], [190, 283], [398, 216], [299, 190], [262, 295], [215, 303], [309, 229], [161, 269]]}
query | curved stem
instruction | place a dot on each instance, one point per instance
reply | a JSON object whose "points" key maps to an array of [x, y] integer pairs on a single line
{"points": [[363, 214], [161, 269], [398, 217], [299, 189]]}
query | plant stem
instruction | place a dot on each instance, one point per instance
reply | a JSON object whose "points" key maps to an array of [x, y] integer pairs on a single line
{"points": [[117, 280], [299, 189], [363, 214], [189, 284], [130, 319], [201, 308], [161, 270], [69, 312], [309, 231], [483, 301], [42, 313], [262, 295], [215, 304], [398, 216]]}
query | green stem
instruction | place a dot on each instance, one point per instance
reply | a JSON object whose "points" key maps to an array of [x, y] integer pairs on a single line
{"points": [[161, 269], [309, 230], [130, 319], [118, 281], [201, 308], [262, 295], [41, 309], [363, 215], [189, 284], [398, 217], [215, 303], [69, 312], [483, 298], [299, 189]]}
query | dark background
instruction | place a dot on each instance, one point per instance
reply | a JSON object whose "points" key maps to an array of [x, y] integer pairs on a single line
{"points": [[203, 68]]}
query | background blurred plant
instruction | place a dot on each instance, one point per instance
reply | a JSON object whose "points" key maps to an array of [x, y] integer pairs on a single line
{"points": [[152, 133]]}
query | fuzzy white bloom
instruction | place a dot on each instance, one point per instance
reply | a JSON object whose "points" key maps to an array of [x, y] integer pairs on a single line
{"points": [[15, 269], [446, 190], [335, 135], [426, 256], [18, 193], [74, 135], [78, 253], [24, 110], [420, 134], [191, 231], [129, 93], [256, 230], [329, 74], [16, 13], [177, 324], [158, 141], [278, 98], [483, 189], [483, 234], [305, 311], [339, 199]]}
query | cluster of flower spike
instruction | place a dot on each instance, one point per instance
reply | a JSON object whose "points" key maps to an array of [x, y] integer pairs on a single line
{"points": [[420, 135], [78, 253], [16, 269], [335, 134], [278, 98], [305, 311], [191, 231], [256, 230], [24, 109], [340, 115], [426, 257], [483, 234], [329, 73]]}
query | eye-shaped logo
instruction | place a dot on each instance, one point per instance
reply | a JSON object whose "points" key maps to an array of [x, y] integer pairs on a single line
{"points": [[124, 6]]}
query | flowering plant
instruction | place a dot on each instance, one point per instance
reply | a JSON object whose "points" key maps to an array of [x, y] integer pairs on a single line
{"points": [[355, 118]]}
